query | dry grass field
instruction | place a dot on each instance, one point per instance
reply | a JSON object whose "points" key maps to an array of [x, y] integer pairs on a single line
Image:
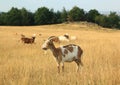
{"points": [[25, 64]]}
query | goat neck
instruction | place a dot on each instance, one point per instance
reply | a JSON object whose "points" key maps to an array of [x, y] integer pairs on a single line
{"points": [[53, 49]]}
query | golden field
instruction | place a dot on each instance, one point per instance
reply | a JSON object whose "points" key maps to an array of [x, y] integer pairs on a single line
{"points": [[25, 64]]}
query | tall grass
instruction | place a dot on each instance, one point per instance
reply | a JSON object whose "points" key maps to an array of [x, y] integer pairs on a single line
{"points": [[22, 64]]}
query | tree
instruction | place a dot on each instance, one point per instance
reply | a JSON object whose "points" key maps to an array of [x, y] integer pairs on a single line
{"points": [[58, 17], [91, 15], [42, 16], [2, 18], [101, 20], [52, 17], [113, 20], [76, 14], [14, 17], [64, 15], [27, 17]]}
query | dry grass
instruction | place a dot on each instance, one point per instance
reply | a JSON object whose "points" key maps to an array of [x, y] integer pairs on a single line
{"points": [[28, 65]]}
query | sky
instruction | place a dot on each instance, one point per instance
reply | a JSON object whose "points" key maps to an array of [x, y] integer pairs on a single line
{"points": [[33, 5]]}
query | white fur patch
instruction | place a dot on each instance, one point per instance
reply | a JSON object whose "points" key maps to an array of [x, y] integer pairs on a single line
{"points": [[70, 55], [45, 44], [63, 38]]}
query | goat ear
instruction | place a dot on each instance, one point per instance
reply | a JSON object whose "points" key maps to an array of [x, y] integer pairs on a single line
{"points": [[51, 41]]}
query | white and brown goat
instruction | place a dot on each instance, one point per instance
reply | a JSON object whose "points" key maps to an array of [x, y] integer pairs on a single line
{"points": [[64, 38], [28, 40], [59, 39], [67, 53]]}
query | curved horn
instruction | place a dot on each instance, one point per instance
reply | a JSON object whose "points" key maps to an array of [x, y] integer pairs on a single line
{"points": [[53, 38]]}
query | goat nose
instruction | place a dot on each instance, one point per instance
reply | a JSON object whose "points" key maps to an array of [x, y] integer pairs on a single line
{"points": [[44, 48]]}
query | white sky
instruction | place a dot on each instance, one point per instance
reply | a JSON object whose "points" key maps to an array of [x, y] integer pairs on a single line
{"points": [[33, 5]]}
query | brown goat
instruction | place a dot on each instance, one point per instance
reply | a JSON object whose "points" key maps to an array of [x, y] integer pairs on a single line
{"points": [[27, 40]]}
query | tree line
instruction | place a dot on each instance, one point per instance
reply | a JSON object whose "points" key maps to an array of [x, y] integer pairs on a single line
{"points": [[44, 16]]}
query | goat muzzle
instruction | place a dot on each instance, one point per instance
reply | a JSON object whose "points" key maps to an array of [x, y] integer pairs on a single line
{"points": [[44, 48]]}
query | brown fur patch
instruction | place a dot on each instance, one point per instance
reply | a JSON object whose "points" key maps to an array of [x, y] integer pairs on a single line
{"points": [[70, 49], [65, 51], [80, 51], [59, 54]]}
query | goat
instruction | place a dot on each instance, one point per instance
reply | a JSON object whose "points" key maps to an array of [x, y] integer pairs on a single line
{"points": [[64, 38], [67, 53], [28, 40]]}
